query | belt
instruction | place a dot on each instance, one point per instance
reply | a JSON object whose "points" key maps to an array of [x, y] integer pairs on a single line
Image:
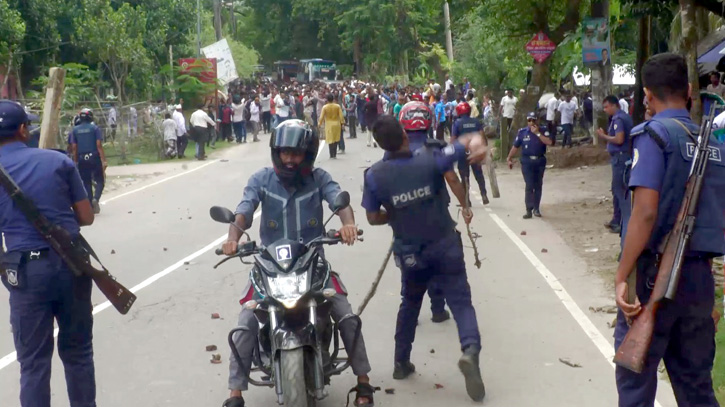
{"points": [[37, 254], [619, 153], [532, 157]]}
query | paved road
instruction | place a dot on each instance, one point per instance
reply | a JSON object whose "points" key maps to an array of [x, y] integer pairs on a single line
{"points": [[532, 306]]}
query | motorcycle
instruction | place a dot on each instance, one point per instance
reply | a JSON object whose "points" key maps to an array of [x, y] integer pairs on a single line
{"points": [[298, 344]]}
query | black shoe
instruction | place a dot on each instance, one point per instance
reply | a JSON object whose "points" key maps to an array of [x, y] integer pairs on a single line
{"points": [[441, 317], [403, 370], [485, 199], [233, 402], [96, 206], [537, 213], [468, 364], [528, 215], [615, 229]]}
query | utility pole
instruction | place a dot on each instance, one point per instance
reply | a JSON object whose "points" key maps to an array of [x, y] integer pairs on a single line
{"points": [[218, 19], [449, 39], [171, 74], [49, 127], [198, 28], [601, 79]]}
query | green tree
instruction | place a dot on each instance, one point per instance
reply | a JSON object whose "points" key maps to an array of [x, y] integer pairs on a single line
{"points": [[12, 33], [114, 38]]}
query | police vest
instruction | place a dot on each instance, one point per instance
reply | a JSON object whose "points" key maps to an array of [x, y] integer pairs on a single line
{"points": [[85, 135], [707, 237], [413, 198]]}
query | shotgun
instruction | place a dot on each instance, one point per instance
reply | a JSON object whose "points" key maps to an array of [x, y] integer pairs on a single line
{"points": [[632, 353]]}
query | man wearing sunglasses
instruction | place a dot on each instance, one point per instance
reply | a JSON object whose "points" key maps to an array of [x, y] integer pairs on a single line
{"points": [[532, 141]]}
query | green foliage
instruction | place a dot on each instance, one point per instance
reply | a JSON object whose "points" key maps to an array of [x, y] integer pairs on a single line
{"points": [[81, 85], [12, 30]]}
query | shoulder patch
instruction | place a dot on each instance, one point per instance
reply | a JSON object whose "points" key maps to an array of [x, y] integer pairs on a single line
{"points": [[615, 126], [449, 150], [635, 157]]}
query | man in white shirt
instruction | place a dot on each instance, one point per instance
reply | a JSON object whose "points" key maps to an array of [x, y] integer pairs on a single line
{"points": [[715, 85], [113, 121], [551, 107], [508, 109], [240, 131], [200, 123], [623, 104], [449, 82], [254, 117], [182, 139], [282, 108], [567, 108], [265, 103], [169, 128]]}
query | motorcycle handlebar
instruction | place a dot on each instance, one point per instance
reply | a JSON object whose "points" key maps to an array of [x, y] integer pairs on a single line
{"points": [[334, 237]]}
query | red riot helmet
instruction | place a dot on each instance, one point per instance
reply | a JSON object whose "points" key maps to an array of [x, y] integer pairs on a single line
{"points": [[415, 116], [463, 109]]}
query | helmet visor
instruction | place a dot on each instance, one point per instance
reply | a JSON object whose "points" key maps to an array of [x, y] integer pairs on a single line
{"points": [[290, 137]]}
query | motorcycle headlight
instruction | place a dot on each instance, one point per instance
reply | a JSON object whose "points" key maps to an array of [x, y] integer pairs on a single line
{"points": [[288, 289]]}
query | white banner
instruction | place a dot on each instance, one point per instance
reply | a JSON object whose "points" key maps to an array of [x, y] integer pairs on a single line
{"points": [[226, 70]]}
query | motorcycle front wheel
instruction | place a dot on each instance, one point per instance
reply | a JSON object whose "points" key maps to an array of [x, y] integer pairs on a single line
{"points": [[294, 385]]}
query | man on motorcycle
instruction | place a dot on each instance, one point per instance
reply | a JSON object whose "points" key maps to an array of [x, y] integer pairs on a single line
{"points": [[291, 193]]}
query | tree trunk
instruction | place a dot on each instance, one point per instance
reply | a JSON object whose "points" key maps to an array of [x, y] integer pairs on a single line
{"points": [[643, 52], [601, 78], [357, 56], [218, 19], [688, 14], [540, 81]]}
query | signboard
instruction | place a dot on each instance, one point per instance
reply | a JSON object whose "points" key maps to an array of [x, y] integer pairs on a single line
{"points": [[226, 70], [540, 47], [595, 42], [204, 69]]}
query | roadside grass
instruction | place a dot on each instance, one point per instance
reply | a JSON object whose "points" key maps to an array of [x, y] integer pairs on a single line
{"points": [[145, 151], [718, 372]]}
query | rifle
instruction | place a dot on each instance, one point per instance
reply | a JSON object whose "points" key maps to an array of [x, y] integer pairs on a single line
{"points": [[74, 252], [633, 350]]}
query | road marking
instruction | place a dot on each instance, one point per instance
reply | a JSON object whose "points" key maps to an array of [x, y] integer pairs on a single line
{"points": [[161, 181], [12, 357], [584, 322]]}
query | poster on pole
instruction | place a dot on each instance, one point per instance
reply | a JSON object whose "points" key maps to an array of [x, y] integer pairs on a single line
{"points": [[226, 70], [595, 42], [540, 47]]}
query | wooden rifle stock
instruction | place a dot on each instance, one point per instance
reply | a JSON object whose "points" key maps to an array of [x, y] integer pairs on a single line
{"points": [[632, 353]]}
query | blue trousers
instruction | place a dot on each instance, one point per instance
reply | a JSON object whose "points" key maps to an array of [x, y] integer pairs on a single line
{"points": [[684, 337], [533, 171], [568, 130], [619, 185], [464, 168], [441, 262], [91, 170], [437, 298], [240, 131], [49, 292]]}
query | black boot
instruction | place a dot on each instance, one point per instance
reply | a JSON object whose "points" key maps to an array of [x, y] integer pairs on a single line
{"points": [[439, 317], [537, 213], [234, 402], [403, 370], [468, 364], [528, 214], [485, 198]]}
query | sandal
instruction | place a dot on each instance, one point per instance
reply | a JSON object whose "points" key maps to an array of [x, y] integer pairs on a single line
{"points": [[362, 390]]}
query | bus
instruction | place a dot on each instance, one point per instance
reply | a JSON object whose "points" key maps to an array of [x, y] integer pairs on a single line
{"points": [[285, 71], [316, 69]]}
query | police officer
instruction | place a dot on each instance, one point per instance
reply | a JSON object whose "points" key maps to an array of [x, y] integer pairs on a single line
{"points": [[87, 151], [408, 186], [619, 147], [684, 331], [291, 193], [532, 140], [42, 288], [464, 125]]}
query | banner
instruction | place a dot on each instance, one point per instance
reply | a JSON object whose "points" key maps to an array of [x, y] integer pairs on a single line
{"points": [[204, 69], [226, 70], [595, 42]]}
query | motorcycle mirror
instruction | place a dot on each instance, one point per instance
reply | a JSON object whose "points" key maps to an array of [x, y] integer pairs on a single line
{"points": [[221, 214], [342, 201]]}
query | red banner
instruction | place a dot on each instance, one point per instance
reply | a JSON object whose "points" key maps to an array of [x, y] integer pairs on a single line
{"points": [[204, 69], [540, 47]]}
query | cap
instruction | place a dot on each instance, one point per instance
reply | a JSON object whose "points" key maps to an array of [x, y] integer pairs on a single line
{"points": [[12, 115], [531, 115]]}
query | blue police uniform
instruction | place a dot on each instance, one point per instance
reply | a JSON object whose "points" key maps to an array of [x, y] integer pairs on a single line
{"points": [[620, 156], [42, 288], [417, 140], [462, 126], [684, 330], [409, 188], [533, 165], [84, 137]]}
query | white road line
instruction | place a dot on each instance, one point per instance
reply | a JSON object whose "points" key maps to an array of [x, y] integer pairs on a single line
{"points": [[584, 322], [12, 357], [113, 198]]}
